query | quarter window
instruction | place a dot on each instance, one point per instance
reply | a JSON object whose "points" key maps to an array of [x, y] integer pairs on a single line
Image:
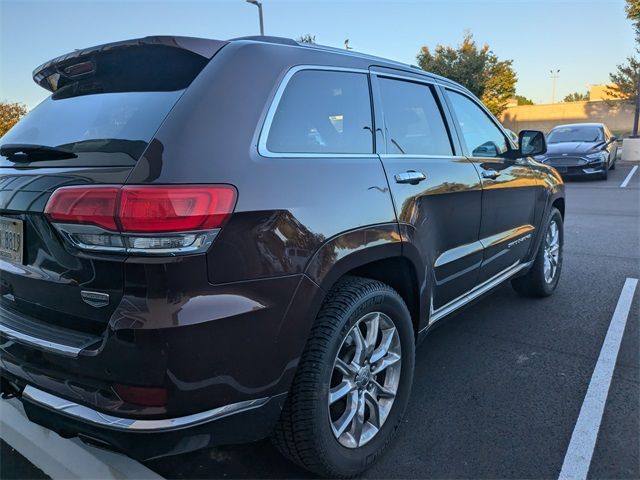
{"points": [[481, 134], [323, 112], [414, 124]]}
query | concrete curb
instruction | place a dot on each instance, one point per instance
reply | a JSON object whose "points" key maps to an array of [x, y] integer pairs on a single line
{"points": [[63, 458]]}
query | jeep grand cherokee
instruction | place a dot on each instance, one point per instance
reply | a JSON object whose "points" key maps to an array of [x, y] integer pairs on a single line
{"points": [[207, 242]]}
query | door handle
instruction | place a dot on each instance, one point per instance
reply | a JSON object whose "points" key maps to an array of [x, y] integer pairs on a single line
{"points": [[492, 174], [410, 176]]}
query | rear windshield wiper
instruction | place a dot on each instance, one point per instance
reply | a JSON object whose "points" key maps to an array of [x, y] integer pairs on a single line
{"points": [[19, 152]]}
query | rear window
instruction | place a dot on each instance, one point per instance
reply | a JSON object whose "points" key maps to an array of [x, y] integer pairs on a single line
{"points": [[323, 112], [101, 129]]}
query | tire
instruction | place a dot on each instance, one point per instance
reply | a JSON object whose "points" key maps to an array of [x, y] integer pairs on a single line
{"points": [[305, 431], [536, 283], [605, 174]]}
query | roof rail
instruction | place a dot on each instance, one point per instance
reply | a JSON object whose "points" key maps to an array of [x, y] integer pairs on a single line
{"points": [[267, 39]]}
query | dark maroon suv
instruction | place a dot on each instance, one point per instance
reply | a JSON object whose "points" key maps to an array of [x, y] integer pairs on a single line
{"points": [[207, 242]]}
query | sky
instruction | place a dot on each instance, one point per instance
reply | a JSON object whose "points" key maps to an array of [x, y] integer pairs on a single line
{"points": [[585, 39]]}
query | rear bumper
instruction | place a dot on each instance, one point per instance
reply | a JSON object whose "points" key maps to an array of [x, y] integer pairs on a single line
{"points": [[225, 356], [145, 439], [228, 344]]}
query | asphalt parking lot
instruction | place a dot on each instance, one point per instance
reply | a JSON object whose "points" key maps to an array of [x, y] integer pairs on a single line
{"points": [[499, 388]]}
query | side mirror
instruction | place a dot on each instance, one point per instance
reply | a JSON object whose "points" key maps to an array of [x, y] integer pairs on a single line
{"points": [[532, 143]]}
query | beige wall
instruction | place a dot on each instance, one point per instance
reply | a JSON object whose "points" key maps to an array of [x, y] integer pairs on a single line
{"points": [[602, 92], [617, 116]]}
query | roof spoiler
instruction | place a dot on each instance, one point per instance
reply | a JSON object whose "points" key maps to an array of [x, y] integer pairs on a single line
{"points": [[78, 64]]}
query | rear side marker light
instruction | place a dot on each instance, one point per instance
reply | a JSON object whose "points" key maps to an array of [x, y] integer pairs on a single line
{"points": [[143, 220]]}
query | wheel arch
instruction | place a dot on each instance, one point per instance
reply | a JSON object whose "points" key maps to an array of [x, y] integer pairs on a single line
{"points": [[399, 273], [374, 252], [559, 204]]}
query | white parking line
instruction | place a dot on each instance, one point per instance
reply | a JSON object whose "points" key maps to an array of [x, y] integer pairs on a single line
{"points": [[62, 458], [583, 440], [626, 180]]}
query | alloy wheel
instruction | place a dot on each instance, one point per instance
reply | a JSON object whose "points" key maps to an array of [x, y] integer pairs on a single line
{"points": [[551, 252], [364, 380]]}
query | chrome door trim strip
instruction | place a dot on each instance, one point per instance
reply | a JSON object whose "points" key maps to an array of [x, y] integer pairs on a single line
{"points": [[405, 156], [266, 126], [507, 235], [457, 253], [475, 292], [86, 414]]}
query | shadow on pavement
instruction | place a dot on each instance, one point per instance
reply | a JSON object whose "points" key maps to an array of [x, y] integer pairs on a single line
{"points": [[254, 460]]}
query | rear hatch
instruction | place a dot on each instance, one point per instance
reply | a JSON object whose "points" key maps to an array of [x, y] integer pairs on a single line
{"points": [[107, 103]]}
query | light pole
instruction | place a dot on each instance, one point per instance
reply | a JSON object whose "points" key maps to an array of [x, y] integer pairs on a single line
{"points": [[259, 5], [636, 115], [554, 76]]}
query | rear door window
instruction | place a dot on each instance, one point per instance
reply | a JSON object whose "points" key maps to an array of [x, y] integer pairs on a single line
{"points": [[101, 129], [413, 121], [323, 112]]}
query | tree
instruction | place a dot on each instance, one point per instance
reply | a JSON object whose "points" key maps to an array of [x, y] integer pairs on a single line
{"points": [[10, 114], [577, 97], [479, 69], [633, 13], [307, 38], [626, 78], [522, 100]]}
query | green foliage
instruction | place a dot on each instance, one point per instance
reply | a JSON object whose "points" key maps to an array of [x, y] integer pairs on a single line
{"points": [[306, 38], [626, 79], [627, 76], [10, 114], [633, 10], [479, 69], [633, 14], [522, 100], [576, 97]]}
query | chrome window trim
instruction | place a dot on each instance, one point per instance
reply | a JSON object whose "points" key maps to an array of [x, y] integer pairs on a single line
{"points": [[486, 111], [430, 83], [86, 414], [266, 125], [424, 79]]}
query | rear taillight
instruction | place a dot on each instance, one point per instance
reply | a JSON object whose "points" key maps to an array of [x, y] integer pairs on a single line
{"points": [[174, 209], [91, 206], [141, 219]]}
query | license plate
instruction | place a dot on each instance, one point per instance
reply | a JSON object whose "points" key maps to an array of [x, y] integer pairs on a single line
{"points": [[562, 169], [11, 239]]}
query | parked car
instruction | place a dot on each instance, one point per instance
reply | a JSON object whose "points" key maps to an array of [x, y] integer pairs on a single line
{"points": [[581, 150], [208, 242]]}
